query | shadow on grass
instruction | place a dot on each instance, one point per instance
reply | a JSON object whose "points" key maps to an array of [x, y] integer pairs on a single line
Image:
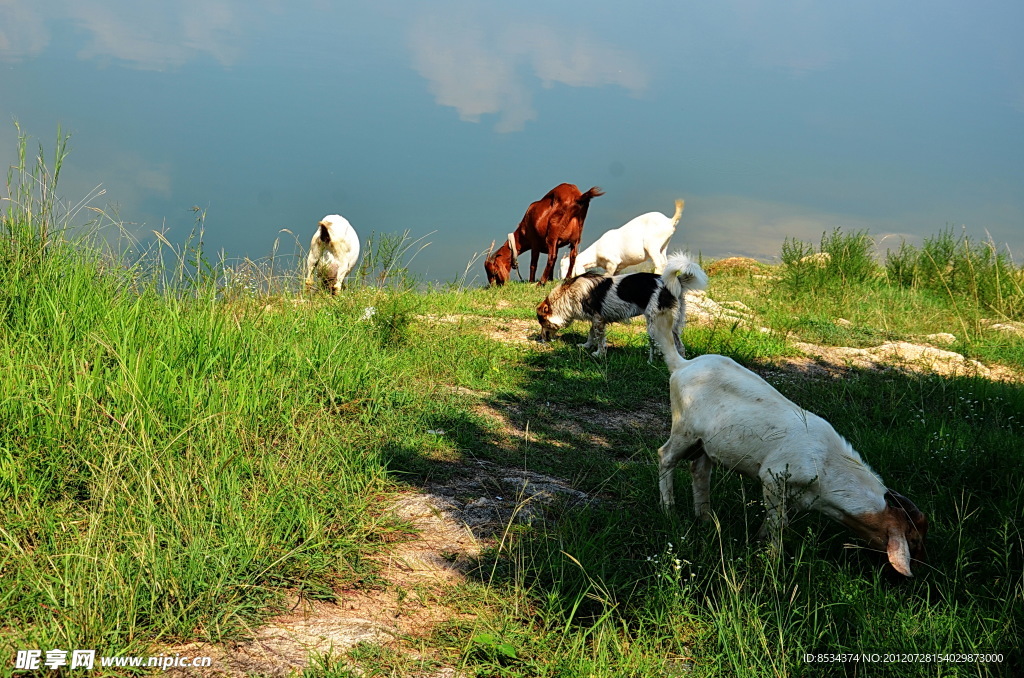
{"points": [[597, 544]]}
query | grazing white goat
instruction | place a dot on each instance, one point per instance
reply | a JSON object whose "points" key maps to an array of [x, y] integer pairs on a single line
{"points": [[644, 238], [723, 414], [333, 252]]}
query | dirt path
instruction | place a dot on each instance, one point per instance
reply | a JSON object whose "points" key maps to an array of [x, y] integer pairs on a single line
{"points": [[453, 520], [417, 571]]}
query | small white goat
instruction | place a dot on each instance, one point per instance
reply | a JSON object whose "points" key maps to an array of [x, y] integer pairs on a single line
{"points": [[644, 238], [333, 252], [723, 414]]}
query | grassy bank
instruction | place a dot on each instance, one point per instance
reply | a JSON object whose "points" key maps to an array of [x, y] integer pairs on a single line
{"points": [[175, 455]]}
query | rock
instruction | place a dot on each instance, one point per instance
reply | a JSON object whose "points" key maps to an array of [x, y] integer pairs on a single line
{"points": [[737, 306], [820, 259], [943, 338], [899, 354], [1010, 327]]}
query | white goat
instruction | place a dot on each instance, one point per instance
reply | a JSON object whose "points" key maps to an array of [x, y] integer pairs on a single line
{"points": [[644, 238], [333, 252], [724, 414]]}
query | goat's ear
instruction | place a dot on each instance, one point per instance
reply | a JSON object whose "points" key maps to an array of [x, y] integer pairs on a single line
{"points": [[899, 553], [895, 499]]}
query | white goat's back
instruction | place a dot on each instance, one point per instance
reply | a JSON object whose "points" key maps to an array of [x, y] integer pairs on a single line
{"points": [[748, 426], [726, 404]]}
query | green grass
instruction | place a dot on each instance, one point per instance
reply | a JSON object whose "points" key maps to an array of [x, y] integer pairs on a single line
{"points": [[182, 443]]}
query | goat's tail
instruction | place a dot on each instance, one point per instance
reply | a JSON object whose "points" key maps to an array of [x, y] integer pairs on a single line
{"points": [[585, 198], [325, 232], [679, 211], [682, 274]]}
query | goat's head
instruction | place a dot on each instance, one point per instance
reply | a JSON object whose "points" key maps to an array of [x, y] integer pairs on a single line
{"points": [[551, 315], [499, 263], [547, 329], [899, 531], [498, 266]]}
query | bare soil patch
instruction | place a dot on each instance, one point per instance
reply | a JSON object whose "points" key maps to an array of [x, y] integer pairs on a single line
{"points": [[454, 520], [418, 572], [507, 330]]}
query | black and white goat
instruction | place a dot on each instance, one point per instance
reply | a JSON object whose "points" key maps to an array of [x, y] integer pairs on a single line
{"points": [[604, 299]]}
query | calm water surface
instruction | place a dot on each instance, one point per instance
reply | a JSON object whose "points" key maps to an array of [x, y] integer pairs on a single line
{"points": [[772, 119]]}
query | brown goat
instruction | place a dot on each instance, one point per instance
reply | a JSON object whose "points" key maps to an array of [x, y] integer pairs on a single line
{"points": [[553, 221]]}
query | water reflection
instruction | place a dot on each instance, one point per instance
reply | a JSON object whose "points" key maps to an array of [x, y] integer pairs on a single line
{"points": [[772, 119], [479, 68], [145, 35]]}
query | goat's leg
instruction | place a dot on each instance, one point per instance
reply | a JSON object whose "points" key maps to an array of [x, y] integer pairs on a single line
{"points": [[549, 266], [679, 448], [572, 259], [659, 259], [312, 258], [774, 486], [534, 258], [609, 264], [700, 471]]}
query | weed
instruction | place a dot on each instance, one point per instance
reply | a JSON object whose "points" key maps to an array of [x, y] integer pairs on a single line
{"points": [[969, 274]]}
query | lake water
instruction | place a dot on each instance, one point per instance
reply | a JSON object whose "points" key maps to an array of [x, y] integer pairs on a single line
{"points": [[772, 119]]}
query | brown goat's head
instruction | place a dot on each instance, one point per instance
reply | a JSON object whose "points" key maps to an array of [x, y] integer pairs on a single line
{"points": [[499, 264]]}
